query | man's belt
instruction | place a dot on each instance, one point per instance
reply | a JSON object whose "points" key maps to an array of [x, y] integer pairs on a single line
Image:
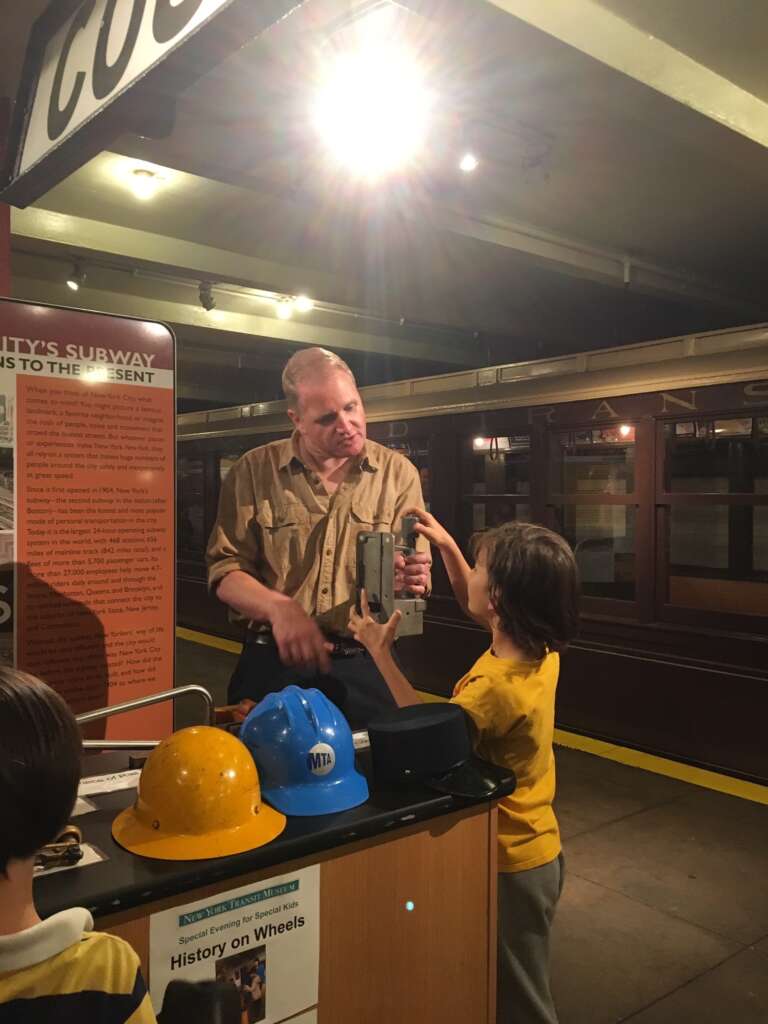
{"points": [[343, 647]]}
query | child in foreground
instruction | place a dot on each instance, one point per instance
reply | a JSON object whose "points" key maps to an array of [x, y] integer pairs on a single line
{"points": [[57, 969], [524, 589]]}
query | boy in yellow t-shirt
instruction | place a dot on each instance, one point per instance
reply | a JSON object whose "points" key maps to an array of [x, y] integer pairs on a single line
{"points": [[524, 589], [57, 969]]}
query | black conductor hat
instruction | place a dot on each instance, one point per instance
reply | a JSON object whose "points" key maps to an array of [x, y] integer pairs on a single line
{"points": [[431, 744]]}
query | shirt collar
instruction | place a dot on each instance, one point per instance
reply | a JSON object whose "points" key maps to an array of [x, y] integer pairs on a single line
{"points": [[44, 940], [289, 453]]}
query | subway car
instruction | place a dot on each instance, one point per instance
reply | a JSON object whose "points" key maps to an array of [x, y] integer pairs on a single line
{"points": [[651, 459]]}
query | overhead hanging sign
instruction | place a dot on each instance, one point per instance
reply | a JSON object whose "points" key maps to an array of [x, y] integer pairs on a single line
{"points": [[95, 69], [99, 52]]}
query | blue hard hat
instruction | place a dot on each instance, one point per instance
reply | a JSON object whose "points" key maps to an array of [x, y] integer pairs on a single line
{"points": [[302, 746]]}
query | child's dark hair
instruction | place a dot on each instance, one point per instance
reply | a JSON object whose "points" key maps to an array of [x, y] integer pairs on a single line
{"points": [[533, 584], [40, 749]]}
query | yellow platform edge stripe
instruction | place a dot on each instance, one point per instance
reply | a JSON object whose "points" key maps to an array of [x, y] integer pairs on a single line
{"points": [[600, 748]]}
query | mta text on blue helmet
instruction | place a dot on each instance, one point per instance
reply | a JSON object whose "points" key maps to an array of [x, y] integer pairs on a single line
{"points": [[302, 746]]}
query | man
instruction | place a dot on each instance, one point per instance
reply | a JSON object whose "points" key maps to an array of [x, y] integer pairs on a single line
{"points": [[282, 551]]}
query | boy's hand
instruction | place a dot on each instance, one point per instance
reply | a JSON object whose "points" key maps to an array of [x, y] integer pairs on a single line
{"points": [[429, 527], [374, 636]]}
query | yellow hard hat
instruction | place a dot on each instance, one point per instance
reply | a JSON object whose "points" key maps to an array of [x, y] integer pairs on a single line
{"points": [[199, 797]]}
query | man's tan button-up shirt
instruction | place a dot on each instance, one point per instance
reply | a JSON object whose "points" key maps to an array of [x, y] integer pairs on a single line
{"points": [[277, 522]]}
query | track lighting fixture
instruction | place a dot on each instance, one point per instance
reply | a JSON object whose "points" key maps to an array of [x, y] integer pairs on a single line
{"points": [[207, 300], [76, 277]]}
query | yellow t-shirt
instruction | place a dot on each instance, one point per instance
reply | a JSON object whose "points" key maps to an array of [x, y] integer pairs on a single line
{"points": [[512, 705]]}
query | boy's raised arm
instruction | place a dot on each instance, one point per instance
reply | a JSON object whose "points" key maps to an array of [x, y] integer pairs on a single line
{"points": [[455, 564]]}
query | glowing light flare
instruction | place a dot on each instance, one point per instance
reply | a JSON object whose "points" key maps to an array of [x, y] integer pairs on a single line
{"points": [[469, 163], [372, 110], [144, 183], [95, 375], [625, 430], [303, 304], [284, 309]]}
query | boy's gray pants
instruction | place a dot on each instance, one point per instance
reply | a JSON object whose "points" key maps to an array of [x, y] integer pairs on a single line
{"points": [[527, 902]]}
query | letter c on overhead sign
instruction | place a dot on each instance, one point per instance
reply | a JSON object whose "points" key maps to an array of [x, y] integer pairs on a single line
{"points": [[59, 118], [107, 76], [169, 21]]}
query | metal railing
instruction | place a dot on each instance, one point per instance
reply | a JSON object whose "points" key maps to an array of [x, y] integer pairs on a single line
{"points": [[141, 702]]}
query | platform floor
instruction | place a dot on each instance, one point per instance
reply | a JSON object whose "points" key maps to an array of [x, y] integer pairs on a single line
{"points": [[664, 915]]}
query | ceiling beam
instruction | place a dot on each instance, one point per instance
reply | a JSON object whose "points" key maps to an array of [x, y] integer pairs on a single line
{"points": [[569, 256], [580, 259], [84, 234], [590, 27], [403, 343]]}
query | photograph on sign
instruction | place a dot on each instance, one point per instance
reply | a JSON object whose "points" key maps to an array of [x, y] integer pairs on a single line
{"points": [[262, 938]]}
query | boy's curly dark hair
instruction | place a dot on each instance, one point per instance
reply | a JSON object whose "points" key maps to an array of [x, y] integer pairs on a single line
{"points": [[533, 584]]}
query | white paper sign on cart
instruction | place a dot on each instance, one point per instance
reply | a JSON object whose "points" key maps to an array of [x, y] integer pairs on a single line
{"points": [[263, 938]]}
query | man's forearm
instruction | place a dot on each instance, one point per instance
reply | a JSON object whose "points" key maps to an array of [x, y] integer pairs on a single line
{"points": [[246, 595], [402, 691]]}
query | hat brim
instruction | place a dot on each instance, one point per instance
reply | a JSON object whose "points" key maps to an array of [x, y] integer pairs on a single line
{"points": [[474, 780], [134, 836], [318, 798]]}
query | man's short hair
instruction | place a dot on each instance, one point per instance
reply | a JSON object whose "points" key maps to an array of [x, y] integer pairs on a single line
{"points": [[533, 585], [308, 364], [40, 747]]}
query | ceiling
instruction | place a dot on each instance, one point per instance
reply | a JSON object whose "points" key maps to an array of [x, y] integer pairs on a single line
{"points": [[604, 209]]}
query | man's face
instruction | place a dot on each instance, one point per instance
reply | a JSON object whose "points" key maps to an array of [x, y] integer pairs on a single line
{"points": [[330, 417]]}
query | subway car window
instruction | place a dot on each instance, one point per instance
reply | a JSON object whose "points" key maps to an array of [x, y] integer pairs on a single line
{"points": [[191, 537], [717, 553], [500, 465], [594, 461], [417, 450], [717, 456], [718, 558], [496, 471], [603, 540]]}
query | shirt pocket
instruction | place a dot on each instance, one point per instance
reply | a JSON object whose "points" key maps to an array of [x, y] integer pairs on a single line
{"points": [[284, 530]]}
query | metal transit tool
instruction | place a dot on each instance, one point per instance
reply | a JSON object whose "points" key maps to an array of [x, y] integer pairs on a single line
{"points": [[376, 575]]}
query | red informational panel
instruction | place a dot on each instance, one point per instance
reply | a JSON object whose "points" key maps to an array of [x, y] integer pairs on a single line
{"points": [[87, 438]]}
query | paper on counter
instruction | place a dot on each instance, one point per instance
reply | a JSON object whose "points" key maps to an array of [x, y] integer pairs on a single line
{"points": [[82, 806], [109, 783]]}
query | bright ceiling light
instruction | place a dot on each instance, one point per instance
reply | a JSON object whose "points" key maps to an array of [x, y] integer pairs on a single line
{"points": [[76, 277], [303, 304], [468, 163], [372, 110], [144, 183], [284, 309]]}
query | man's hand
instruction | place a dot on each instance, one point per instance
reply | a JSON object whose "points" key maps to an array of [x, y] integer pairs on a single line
{"points": [[299, 640], [374, 636], [412, 573]]}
